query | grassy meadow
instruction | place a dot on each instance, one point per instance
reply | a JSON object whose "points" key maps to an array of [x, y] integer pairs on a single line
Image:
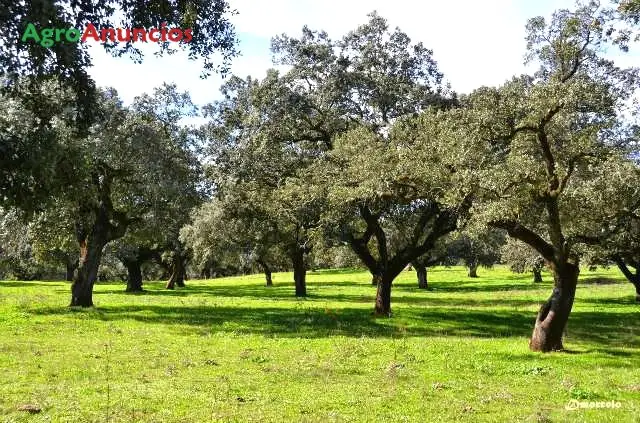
{"points": [[232, 350]]}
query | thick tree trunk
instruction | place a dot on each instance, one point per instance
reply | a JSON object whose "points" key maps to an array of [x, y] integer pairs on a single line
{"points": [[383, 297], [537, 275], [82, 286], [299, 272], [421, 271], [177, 273], [375, 279], [554, 314], [473, 270], [134, 276]]}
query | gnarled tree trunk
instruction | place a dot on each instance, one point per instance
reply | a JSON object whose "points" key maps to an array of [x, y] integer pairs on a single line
{"points": [[90, 255], [299, 272], [537, 275], [554, 314], [421, 271]]}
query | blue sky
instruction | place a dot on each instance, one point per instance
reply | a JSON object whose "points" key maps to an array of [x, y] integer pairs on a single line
{"points": [[475, 42]]}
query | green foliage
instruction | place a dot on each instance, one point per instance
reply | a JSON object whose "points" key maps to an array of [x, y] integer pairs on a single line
{"points": [[521, 257], [555, 137], [476, 249]]}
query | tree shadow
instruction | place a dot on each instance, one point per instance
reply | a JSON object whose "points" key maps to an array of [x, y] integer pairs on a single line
{"points": [[341, 271], [411, 296], [470, 287], [25, 284], [598, 280], [306, 320]]}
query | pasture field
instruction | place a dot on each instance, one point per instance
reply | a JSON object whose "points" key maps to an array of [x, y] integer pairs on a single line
{"points": [[232, 350]]}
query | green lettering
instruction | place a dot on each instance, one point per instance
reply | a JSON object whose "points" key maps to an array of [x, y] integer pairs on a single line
{"points": [[47, 37], [59, 32], [30, 32], [72, 35]]}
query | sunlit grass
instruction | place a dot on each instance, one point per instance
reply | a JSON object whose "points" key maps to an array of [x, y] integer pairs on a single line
{"points": [[233, 350]]}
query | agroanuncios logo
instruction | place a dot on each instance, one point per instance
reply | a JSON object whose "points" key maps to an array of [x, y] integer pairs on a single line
{"points": [[47, 37]]}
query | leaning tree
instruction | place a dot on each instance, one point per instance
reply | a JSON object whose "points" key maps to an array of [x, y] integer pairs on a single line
{"points": [[551, 135]]}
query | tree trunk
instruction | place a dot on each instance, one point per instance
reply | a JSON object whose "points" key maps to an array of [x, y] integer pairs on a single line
{"points": [[177, 273], [89, 262], [134, 276], [299, 272], [71, 265], [375, 279], [473, 270], [626, 271], [554, 314], [383, 297], [267, 272], [537, 276], [205, 273], [421, 271]]}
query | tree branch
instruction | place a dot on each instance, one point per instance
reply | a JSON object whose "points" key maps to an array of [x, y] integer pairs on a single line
{"points": [[526, 235]]}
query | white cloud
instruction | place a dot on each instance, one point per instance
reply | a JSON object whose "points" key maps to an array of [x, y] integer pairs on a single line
{"points": [[475, 43]]}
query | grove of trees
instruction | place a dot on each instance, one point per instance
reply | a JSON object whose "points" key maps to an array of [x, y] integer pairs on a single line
{"points": [[355, 143]]}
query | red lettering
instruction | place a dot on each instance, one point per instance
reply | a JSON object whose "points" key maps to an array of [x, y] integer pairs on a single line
{"points": [[90, 31], [188, 36], [175, 35], [126, 38], [107, 33], [153, 35], [139, 33], [163, 31]]}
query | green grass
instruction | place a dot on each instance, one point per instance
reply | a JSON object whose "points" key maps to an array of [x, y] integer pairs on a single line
{"points": [[233, 350]]}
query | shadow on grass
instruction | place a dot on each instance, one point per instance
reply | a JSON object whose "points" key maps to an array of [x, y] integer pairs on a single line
{"points": [[411, 296], [598, 280], [605, 328], [26, 284]]}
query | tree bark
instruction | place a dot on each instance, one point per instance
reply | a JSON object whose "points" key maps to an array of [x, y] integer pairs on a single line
{"points": [[554, 314], [71, 266], [537, 276], [383, 297], [134, 276], [421, 271], [177, 273], [634, 279], [375, 279], [473, 270], [299, 272], [89, 262], [267, 272]]}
